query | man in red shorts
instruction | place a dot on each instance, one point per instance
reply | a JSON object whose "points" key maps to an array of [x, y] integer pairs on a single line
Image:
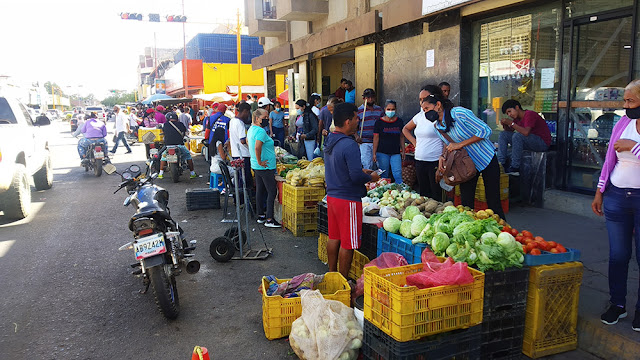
{"points": [[345, 179]]}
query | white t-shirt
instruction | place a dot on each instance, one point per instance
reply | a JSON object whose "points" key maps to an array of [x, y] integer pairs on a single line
{"points": [[428, 144], [121, 120], [315, 110], [237, 132], [626, 174]]}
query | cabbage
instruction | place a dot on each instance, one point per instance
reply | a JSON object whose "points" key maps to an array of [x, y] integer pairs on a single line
{"points": [[508, 243], [452, 249], [450, 209], [418, 224], [405, 229], [440, 243], [410, 212], [391, 224], [489, 238]]}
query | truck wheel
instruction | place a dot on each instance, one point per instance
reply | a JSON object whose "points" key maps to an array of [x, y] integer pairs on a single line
{"points": [[43, 179], [16, 201]]}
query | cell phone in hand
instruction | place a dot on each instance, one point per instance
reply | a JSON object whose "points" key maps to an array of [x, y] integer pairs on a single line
{"points": [[379, 171]]}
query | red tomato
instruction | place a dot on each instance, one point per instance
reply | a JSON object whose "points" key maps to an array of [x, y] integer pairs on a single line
{"points": [[527, 241], [543, 245], [534, 245], [529, 247], [526, 233], [538, 238], [519, 239], [524, 248], [506, 229], [536, 252], [514, 232], [552, 244], [554, 250], [561, 248]]}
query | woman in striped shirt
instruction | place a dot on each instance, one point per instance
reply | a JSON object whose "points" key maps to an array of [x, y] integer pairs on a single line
{"points": [[471, 133]]}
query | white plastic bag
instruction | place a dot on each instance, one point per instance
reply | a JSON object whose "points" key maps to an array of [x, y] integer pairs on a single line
{"points": [[327, 330], [215, 166]]}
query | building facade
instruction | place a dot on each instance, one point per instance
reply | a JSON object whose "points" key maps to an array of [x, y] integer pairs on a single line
{"points": [[567, 60]]}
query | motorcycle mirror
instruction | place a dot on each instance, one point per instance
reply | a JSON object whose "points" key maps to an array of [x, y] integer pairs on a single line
{"points": [[109, 169]]}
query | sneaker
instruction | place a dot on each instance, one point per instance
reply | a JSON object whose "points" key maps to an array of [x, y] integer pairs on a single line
{"points": [[636, 321], [262, 219], [614, 314], [272, 224], [160, 176], [193, 176], [112, 152], [129, 152]]}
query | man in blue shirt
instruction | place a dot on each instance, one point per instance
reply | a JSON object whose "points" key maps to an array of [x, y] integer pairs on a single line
{"points": [[372, 114]]}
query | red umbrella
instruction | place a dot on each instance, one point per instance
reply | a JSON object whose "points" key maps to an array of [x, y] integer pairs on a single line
{"points": [[284, 96]]}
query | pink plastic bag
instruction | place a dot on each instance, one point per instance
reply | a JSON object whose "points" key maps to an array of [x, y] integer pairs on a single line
{"points": [[384, 261], [435, 273]]}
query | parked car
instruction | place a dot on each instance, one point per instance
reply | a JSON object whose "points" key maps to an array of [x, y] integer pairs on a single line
{"points": [[52, 114], [25, 153], [76, 120]]}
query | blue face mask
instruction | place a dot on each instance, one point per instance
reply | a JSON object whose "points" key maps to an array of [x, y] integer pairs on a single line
{"points": [[390, 113], [278, 109]]}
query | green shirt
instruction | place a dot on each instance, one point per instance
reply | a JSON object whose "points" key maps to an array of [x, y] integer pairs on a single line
{"points": [[256, 133]]}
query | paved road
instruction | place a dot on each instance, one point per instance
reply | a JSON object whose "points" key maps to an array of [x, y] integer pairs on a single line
{"points": [[66, 292]]}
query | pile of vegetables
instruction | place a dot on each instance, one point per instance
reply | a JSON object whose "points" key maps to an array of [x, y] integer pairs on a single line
{"points": [[409, 174], [309, 173], [400, 198], [282, 156], [535, 245], [375, 184]]}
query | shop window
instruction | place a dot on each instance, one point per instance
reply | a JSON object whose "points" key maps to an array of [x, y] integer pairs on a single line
{"points": [[578, 8]]}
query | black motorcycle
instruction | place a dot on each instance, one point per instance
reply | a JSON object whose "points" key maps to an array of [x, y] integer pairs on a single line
{"points": [[176, 164], [159, 243], [95, 158]]}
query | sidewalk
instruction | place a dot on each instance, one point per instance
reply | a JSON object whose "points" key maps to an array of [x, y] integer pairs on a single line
{"points": [[590, 236]]}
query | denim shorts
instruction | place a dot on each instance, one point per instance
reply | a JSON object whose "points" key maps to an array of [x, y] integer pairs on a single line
{"points": [[184, 153]]}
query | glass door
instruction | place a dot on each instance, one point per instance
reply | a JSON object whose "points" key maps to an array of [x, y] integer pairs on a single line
{"points": [[599, 53]]}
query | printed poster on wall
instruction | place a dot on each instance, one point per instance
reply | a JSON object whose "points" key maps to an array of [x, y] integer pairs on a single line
{"points": [[547, 78], [161, 87], [431, 58]]}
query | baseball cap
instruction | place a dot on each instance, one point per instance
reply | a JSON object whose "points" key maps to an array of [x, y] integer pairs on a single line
{"points": [[263, 101], [161, 108], [222, 108], [171, 116], [368, 92]]}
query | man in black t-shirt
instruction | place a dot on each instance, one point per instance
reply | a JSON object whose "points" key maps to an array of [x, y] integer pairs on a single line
{"points": [[174, 132]]}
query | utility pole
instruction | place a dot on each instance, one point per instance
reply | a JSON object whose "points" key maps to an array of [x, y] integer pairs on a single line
{"points": [[238, 40], [185, 80], [53, 96]]}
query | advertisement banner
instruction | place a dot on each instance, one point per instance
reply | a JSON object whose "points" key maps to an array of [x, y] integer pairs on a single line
{"points": [[161, 87], [431, 6]]}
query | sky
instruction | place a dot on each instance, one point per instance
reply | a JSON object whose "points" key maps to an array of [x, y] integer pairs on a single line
{"points": [[85, 47]]}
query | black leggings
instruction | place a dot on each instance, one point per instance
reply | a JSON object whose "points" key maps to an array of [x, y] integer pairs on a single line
{"points": [[491, 178], [426, 176], [265, 188]]}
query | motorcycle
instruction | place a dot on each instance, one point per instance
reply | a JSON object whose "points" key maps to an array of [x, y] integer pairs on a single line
{"points": [[95, 159], [175, 163], [159, 244]]}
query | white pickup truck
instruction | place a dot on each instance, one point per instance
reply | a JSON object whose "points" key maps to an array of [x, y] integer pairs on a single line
{"points": [[24, 153]]}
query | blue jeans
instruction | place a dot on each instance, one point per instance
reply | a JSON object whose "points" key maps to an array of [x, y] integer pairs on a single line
{"points": [[518, 143], [279, 133], [310, 147], [83, 145], [366, 155], [392, 164], [121, 137], [622, 212]]}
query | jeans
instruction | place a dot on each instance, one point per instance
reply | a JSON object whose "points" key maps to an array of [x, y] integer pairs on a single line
{"points": [[622, 213], [279, 133], [366, 155], [184, 153], [491, 178], [84, 143], [310, 147], [266, 188], [121, 137], [426, 176], [391, 164], [518, 143]]}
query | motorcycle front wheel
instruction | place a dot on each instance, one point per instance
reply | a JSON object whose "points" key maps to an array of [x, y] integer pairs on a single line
{"points": [[165, 291], [97, 170]]}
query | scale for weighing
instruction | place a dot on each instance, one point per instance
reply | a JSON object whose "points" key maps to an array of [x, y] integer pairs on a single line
{"points": [[234, 244]]}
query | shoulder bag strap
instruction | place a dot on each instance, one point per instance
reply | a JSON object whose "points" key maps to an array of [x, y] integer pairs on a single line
{"points": [[175, 127], [446, 136]]}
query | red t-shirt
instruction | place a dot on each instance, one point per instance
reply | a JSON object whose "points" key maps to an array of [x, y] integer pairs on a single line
{"points": [[537, 124]]}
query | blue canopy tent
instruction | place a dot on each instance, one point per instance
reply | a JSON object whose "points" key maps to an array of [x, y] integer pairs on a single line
{"points": [[155, 97]]}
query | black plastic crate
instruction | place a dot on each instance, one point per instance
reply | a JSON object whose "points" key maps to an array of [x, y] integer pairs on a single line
{"points": [[463, 344], [323, 222], [369, 244], [505, 289], [198, 199], [502, 334]]}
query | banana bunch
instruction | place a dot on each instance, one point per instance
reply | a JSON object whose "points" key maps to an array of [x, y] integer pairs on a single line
{"points": [[318, 161], [302, 163], [316, 182], [295, 177]]}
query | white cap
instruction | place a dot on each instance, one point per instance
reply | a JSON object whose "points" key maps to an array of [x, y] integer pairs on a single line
{"points": [[263, 101]]}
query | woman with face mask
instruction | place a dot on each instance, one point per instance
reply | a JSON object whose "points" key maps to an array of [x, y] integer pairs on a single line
{"points": [[307, 125], [427, 144], [619, 184], [276, 123], [316, 101], [388, 143], [472, 134]]}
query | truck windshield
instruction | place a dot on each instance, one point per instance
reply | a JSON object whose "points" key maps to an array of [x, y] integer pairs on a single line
{"points": [[6, 114]]}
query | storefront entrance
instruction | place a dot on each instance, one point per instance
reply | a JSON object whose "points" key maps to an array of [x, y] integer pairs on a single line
{"points": [[596, 66]]}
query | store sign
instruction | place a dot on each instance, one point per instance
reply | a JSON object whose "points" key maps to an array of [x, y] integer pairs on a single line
{"points": [[506, 69], [161, 87], [431, 6]]}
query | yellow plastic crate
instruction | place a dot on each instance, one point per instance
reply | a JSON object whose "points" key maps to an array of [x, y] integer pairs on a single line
{"points": [[409, 313], [322, 248], [157, 135], [300, 223], [552, 309], [279, 313], [302, 198], [480, 193]]}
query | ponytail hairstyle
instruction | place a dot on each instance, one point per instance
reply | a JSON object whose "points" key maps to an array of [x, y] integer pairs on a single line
{"points": [[301, 103], [447, 105]]}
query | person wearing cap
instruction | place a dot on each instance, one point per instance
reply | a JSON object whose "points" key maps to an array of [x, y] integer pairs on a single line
{"points": [[371, 114], [122, 127], [265, 104], [276, 123], [174, 132], [159, 116], [150, 119]]}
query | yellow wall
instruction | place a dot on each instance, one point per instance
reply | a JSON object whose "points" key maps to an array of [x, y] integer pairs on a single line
{"points": [[281, 85], [218, 76], [332, 67]]}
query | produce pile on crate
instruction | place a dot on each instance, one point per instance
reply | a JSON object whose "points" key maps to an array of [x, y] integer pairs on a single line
{"points": [[307, 172]]}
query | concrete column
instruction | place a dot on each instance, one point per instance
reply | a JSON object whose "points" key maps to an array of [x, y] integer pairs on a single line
{"points": [[270, 83]]}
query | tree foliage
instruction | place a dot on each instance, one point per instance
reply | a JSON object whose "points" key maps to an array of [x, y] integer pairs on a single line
{"points": [[118, 98]]}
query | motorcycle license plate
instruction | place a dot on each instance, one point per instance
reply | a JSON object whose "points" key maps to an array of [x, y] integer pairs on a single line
{"points": [[149, 246], [98, 154], [153, 152], [172, 158]]}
